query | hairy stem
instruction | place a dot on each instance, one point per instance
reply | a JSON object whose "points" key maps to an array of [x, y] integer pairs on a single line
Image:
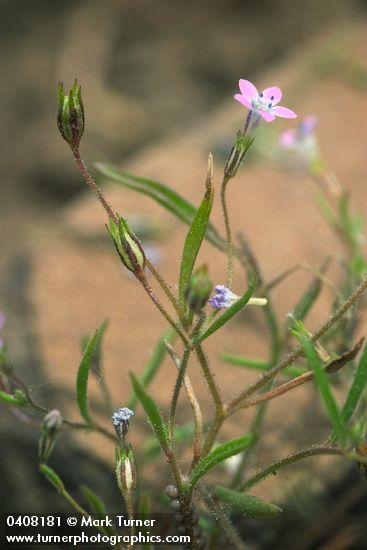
{"points": [[165, 287], [290, 459], [227, 224], [74, 425], [298, 351], [221, 517], [176, 393], [90, 181], [219, 414], [198, 420], [165, 314]]}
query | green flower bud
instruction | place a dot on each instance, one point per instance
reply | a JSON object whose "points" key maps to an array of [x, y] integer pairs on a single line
{"points": [[50, 428], [237, 154], [127, 245], [70, 115], [199, 290], [126, 471]]}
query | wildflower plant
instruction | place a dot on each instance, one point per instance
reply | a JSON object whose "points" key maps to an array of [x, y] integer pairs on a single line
{"points": [[194, 315]]}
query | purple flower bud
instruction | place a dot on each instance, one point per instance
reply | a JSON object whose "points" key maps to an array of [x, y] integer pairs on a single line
{"points": [[223, 297]]}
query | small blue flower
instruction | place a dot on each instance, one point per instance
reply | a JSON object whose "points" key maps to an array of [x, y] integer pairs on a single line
{"points": [[225, 298], [120, 421]]}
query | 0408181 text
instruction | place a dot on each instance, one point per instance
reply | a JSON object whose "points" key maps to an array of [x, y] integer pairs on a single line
{"points": [[33, 521]]}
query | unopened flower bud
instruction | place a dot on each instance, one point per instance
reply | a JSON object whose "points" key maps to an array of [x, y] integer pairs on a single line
{"points": [[120, 421], [126, 471], [127, 245], [70, 115], [237, 154], [52, 422], [198, 292], [50, 428]]}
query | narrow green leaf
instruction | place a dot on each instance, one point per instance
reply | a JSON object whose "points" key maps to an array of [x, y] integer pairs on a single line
{"points": [[10, 399], [96, 358], [166, 197], [152, 411], [196, 235], [82, 377], [323, 385], [52, 476], [250, 506], [153, 364], [358, 386], [94, 501], [220, 453], [228, 314], [306, 302], [258, 364]]}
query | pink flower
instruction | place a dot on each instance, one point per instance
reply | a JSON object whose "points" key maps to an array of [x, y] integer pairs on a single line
{"points": [[302, 140], [264, 103], [291, 139]]}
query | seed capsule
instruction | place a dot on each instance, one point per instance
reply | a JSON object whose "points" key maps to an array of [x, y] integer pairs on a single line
{"points": [[70, 115]]}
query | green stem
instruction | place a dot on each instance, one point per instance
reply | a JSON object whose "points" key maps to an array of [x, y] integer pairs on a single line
{"points": [[256, 429], [221, 517], [90, 181], [298, 351], [227, 224], [176, 393], [219, 414], [290, 459], [165, 287], [177, 475], [130, 515], [165, 314], [252, 267], [198, 420], [75, 425], [274, 331], [78, 508]]}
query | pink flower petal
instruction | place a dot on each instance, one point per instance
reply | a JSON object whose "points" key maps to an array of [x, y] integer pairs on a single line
{"points": [[272, 94], [283, 112], [288, 138], [269, 117], [248, 89], [242, 99]]}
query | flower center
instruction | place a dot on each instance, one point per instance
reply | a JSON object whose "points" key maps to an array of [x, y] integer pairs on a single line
{"points": [[262, 104]]}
